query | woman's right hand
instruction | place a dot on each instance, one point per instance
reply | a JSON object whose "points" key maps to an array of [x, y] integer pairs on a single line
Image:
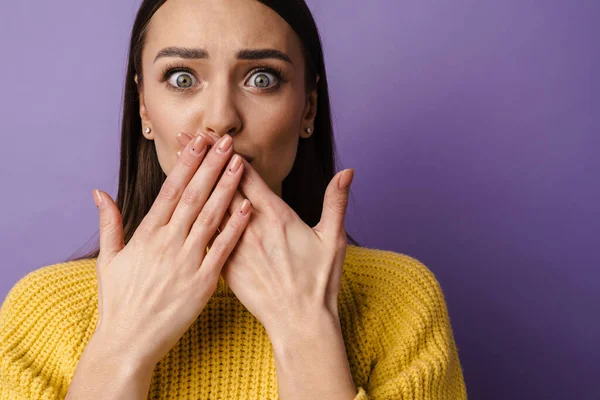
{"points": [[151, 290]]}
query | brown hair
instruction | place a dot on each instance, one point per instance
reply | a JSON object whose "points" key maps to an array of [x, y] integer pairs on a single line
{"points": [[140, 174]]}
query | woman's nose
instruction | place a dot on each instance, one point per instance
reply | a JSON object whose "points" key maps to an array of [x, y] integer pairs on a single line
{"points": [[221, 114]]}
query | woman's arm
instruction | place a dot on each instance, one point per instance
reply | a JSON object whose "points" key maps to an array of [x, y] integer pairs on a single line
{"points": [[416, 354], [107, 370]]}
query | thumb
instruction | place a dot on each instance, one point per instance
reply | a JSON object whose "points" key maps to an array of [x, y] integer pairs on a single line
{"points": [[335, 204], [111, 226]]}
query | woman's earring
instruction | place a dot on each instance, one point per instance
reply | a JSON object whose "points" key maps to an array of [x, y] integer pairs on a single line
{"points": [[148, 130], [309, 131]]}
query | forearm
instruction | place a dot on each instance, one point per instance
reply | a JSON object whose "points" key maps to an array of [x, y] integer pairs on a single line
{"points": [[311, 362], [106, 372]]}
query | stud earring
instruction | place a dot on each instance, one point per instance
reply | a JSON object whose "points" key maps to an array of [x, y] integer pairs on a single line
{"points": [[308, 130], [148, 130]]}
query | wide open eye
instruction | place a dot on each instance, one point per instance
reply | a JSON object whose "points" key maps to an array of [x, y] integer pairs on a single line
{"points": [[181, 80], [265, 78]]}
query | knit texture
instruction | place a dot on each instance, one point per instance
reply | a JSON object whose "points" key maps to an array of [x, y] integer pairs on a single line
{"points": [[394, 320]]}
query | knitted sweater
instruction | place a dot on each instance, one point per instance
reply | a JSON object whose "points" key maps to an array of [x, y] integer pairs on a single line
{"points": [[394, 320]]}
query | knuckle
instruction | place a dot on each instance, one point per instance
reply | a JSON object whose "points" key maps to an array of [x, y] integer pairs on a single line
{"points": [[190, 196], [164, 246], [168, 235], [276, 211], [187, 161], [212, 163], [109, 223], [144, 229], [169, 191], [339, 204], [279, 223], [229, 182], [207, 218], [286, 214], [280, 219], [220, 247], [208, 277], [105, 223], [237, 223]]}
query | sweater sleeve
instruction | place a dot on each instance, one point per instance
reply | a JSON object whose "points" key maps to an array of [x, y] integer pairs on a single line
{"points": [[38, 336], [416, 355]]}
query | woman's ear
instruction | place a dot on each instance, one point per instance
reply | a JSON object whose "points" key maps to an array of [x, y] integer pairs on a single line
{"points": [[310, 111], [143, 112]]}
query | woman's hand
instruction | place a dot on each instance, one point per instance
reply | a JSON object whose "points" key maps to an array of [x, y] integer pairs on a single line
{"points": [[151, 290], [283, 271]]}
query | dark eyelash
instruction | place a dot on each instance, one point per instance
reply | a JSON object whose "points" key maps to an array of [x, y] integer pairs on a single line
{"points": [[275, 71], [170, 69]]}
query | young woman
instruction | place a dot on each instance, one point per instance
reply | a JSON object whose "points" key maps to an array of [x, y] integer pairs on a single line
{"points": [[223, 269]]}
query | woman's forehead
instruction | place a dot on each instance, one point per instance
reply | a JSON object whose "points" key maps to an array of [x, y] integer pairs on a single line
{"points": [[220, 26]]}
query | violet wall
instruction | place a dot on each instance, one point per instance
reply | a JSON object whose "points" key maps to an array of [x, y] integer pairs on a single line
{"points": [[473, 127]]}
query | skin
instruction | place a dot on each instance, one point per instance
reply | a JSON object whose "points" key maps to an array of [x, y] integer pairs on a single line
{"points": [[224, 95]]}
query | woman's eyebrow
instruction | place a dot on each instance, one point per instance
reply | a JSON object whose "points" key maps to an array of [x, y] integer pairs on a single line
{"points": [[245, 54]]}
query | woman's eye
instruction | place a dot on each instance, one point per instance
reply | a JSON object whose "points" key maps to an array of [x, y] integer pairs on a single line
{"points": [[181, 80], [263, 79]]}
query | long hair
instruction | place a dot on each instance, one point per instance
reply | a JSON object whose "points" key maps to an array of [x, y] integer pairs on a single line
{"points": [[140, 174]]}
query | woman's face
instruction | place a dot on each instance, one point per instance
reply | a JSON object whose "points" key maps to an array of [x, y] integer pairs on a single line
{"points": [[220, 91]]}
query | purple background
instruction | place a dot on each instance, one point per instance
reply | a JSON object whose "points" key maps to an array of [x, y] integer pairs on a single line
{"points": [[473, 127]]}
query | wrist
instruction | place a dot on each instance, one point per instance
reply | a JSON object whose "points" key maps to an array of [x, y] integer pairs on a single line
{"points": [[303, 329], [312, 354], [105, 372], [122, 357]]}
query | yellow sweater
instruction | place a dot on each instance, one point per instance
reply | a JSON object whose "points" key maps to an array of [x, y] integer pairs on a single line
{"points": [[395, 324]]}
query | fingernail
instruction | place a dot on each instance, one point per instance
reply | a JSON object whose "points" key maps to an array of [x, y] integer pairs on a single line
{"points": [[181, 134], [245, 207], [234, 165], [198, 146], [225, 144], [210, 137], [99, 199], [346, 178]]}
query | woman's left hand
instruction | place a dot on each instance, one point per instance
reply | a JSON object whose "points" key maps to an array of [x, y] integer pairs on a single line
{"points": [[282, 270]]}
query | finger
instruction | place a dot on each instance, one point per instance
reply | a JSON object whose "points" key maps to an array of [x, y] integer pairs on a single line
{"points": [[235, 203], [207, 222], [183, 139], [111, 227], [257, 191], [212, 240], [224, 244], [335, 205], [178, 179], [225, 220], [192, 205]]}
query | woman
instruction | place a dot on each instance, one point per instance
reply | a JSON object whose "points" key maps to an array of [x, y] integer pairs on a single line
{"points": [[207, 285]]}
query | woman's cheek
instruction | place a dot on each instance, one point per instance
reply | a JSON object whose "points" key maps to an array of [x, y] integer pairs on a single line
{"points": [[166, 150], [164, 129]]}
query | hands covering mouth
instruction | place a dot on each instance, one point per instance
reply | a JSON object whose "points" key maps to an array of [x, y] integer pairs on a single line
{"points": [[211, 138]]}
